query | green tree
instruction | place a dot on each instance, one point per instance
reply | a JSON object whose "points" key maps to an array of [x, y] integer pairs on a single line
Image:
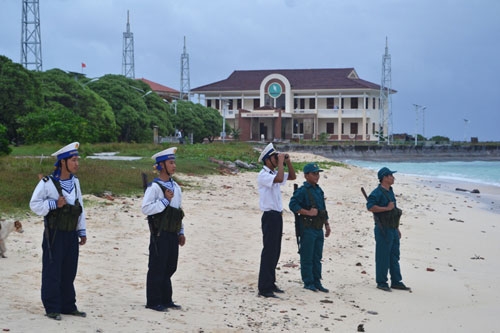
{"points": [[70, 112], [136, 112], [440, 139], [203, 122], [19, 95], [4, 142]]}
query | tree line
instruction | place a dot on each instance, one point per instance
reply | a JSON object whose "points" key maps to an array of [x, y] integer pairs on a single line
{"points": [[57, 106]]}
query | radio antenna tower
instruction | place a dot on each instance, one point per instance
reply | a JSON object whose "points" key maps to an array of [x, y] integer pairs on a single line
{"points": [[185, 85], [31, 41], [128, 69], [385, 103]]}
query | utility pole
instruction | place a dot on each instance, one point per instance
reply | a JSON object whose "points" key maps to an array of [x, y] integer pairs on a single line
{"points": [[185, 85], [128, 67], [385, 101], [31, 40], [417, 108], [466, 122], [224, 108]]}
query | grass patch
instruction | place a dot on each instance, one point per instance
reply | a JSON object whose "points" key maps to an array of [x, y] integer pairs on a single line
{"points": [[19, 171]]}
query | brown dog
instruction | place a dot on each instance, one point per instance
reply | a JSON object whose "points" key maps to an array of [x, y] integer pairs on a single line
{"points": [[6, 227]]}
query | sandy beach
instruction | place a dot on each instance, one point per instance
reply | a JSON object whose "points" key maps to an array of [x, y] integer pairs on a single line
{"points": [[449, 257]]}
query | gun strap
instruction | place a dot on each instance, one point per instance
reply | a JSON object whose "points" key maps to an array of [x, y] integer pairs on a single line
{"points": [[311, 198]]}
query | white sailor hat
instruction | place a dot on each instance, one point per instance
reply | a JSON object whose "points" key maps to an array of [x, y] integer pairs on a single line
{"points": [[67, 151], [164, 155], [267, 152]]}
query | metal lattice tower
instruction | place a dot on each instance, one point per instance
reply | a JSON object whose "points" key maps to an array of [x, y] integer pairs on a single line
{"points": [[128, 67], [31, 41], [185, 85], [385, 103]]}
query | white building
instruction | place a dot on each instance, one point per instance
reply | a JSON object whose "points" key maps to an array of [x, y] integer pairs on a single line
{"points": [[298, 103]]}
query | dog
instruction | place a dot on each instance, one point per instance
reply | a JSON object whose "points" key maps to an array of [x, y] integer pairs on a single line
{"points": [[6, 227]]}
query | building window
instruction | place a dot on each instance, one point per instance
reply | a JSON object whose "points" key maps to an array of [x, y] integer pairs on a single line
{"points": [[329, 103], [367, 102], [209, 103], [374, 103], [256, 103], [342, 104], [238, 103], [268, 101], [280, 102], [354, 103], [312, 103], [342, 129], [354, 128], [302, 104], [217, 104], [330, 128], [229, 104]]}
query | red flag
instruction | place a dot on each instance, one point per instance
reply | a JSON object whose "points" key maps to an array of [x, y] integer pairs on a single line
{"points": [[83, 65]]}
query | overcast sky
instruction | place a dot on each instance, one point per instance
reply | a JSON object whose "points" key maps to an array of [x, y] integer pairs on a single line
{"points": [[445, 53]]}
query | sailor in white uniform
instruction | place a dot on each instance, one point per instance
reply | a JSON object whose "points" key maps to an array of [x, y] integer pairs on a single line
{"points": [[162, 203], [58, 198]]}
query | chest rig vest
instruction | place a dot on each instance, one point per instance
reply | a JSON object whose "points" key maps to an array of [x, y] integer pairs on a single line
{"points": [[169, 220], [66, 217], [315, 222]]}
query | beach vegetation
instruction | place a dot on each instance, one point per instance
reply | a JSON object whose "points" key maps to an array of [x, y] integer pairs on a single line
{"points": [[60, 106], [21, 170]]}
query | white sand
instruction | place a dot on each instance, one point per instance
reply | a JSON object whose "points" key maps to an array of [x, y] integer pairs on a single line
{"points": [[452, 233]]}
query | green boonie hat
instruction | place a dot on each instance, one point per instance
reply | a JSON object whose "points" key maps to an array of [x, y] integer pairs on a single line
{"points": [[384, 172], [312, 167]]}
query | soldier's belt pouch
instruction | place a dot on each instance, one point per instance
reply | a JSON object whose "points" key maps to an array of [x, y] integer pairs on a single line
{"points": [[65, 218], [391, 218], [315, 222], [170, 220]]}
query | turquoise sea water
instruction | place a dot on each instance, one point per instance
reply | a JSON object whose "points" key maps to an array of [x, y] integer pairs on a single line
{"points": [[482, 172]]}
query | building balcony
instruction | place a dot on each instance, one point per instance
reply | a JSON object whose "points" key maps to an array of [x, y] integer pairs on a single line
{"points": [[334, 113]]}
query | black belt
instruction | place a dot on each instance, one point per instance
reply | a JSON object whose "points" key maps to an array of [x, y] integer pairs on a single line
{"points": [[273, 212]]}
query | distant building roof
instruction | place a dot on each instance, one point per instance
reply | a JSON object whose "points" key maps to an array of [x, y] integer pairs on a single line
{"points": [[158, 88], [300, 79]]}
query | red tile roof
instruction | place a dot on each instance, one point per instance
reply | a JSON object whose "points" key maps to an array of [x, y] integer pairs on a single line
{"points": [[156, 87], [300, 79]]}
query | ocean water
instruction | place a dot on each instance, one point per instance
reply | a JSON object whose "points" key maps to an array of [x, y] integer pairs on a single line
{"points": [[482, 172]]}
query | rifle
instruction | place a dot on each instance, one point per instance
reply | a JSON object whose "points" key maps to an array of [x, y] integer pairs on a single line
{"points": [[377, 221], [144, 187], [46, 234], [297, 223], [144, 181]]}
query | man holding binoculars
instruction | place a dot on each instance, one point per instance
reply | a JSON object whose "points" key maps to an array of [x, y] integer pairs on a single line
{"points": [[269, 181]]}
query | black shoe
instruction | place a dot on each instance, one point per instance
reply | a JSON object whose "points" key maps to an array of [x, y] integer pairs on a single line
{"points": [[159, 308], [55, 316], [400, 286], [268, 294], [311, 287], [77, 313], [173, 306], [322, 289], [384, 288], [278, 290]]}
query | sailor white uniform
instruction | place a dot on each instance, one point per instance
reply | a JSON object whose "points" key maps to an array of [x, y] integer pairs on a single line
{"points": [[154, 201], [45, 195], [63, 226], [162, 197], [269, 182]]}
